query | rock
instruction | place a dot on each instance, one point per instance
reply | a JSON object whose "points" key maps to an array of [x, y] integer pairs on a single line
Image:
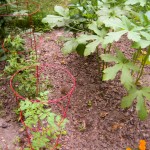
{"points": [[4, 125]]}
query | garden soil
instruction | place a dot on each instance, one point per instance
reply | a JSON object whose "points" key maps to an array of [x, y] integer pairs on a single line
{"points": [[96, 121]]}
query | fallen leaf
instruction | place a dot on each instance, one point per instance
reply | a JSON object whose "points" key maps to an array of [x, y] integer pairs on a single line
{"points": [[103, 114]]}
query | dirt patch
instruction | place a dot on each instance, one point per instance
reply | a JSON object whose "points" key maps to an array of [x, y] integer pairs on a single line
{"points": [[9, 125], [9, 135]]}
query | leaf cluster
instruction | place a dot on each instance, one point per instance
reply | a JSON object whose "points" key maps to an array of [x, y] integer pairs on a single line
{"points": [[48, 124], [11, 45]]}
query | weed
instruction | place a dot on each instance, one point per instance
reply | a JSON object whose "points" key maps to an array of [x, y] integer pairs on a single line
{"points": [[45, 125]]}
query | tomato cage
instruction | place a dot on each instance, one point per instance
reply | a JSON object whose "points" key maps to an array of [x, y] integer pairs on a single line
{"points": [[57, 83], [19, 20], [20, 13]]}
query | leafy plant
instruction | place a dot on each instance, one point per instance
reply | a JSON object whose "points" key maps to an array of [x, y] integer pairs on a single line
{"points": [[45, 125], [15, 62], [96, 25], [123, 65], [11, 45]]}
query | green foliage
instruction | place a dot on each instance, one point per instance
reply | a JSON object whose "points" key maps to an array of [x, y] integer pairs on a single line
{"points": [[58, 21], [37, 115], [14, 50], [15, 62], [14, 43], [97, 24], [45, 126], [141, 95], [46, 7], [132, 2], [26, 80], [48, 124], [123, 65], [11, 45]]}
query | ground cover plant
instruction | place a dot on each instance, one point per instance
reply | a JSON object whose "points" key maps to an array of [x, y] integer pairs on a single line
{"points": [[97, 24], [44, 125]]}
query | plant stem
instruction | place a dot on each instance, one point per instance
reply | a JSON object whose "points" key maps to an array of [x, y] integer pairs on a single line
{"points": [[142, 66], [99, 64], [103, 66], [109, 48], [108, 51], [75, 29], [135, 56]]}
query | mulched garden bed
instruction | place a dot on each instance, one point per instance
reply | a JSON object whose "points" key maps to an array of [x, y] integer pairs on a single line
{"points": [[96, 121]]}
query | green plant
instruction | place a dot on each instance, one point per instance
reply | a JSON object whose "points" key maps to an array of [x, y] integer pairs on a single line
{"points": [[11, 45], [96, 25], [26, 80], [46, 7], [48, 125], [15, 62]]}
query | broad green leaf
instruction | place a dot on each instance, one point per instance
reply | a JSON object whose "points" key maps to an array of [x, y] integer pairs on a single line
{"points": [[110, 73], [109, 58], [128, 100], [115, 23], [132, 66], [124, 25], [140, 95], [106, 14], [140, 107], [84, 38], [54, 20], [132, 2], [123, 65], [144, 20], [120, 57], [61, 11], [126, 78], [113, 36], [91, 47], [140, 99], [127, 24], [142, 113], [93, 27], [70, 46], [135, 36], [146, 92], [141, 44], [146, 35], [80, 49], [145, 41]]}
